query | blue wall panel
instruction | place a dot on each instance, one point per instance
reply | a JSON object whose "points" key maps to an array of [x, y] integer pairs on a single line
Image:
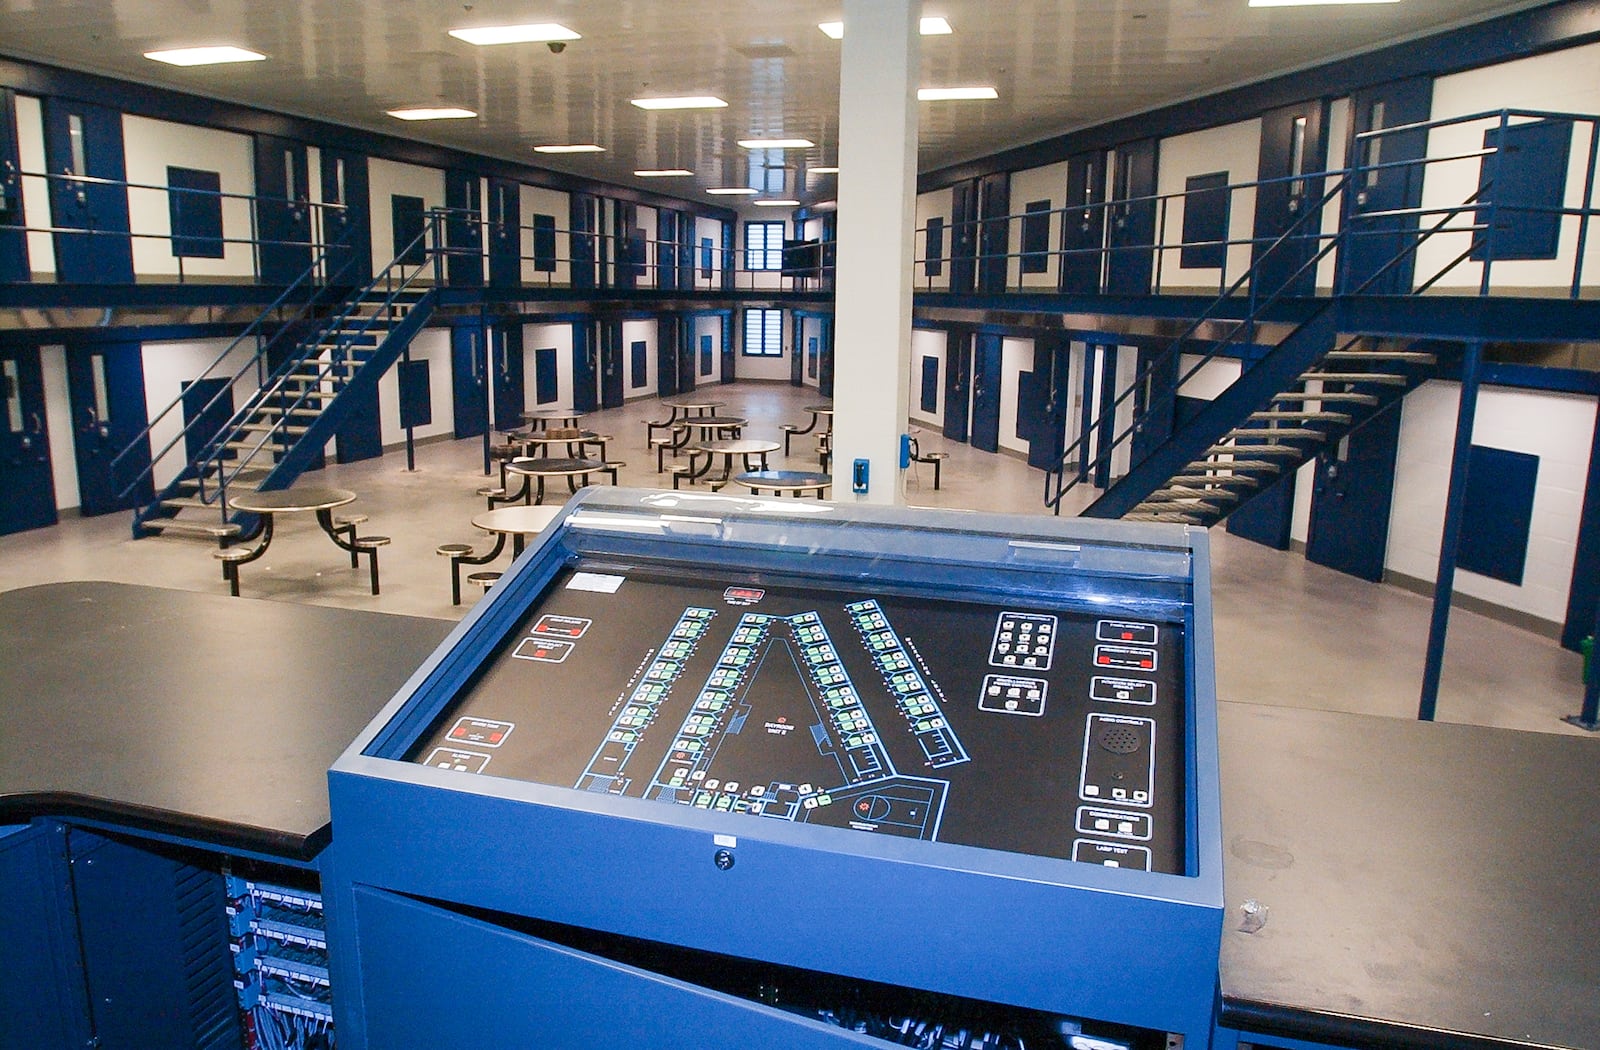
{"points": [[1498, 513]]}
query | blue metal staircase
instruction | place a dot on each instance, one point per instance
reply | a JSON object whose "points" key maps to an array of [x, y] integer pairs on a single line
{"points": [[1300, 396], [315, 372]]}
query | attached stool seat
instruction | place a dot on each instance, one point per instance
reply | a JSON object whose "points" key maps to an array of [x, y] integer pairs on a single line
{"points": [[369, 545]]}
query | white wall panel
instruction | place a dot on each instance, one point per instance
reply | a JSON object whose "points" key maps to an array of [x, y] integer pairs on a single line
{"points": [[810, 328], [937, 204], [763, 367], [536, 200], [1048, 183], [1233, 148], [708, 326], [1562, 82], [540, 337], [150, 147], [35, 190], [1213, 378], [1555, 427], [1338, 144], [387, 178], [431, 345], [708, 228], [1016, 357], [648, 222], [58, 426], [168, 365], [645, 331], [926, 343]]}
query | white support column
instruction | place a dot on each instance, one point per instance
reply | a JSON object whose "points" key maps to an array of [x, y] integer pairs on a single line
{"points": [[877, 213]]}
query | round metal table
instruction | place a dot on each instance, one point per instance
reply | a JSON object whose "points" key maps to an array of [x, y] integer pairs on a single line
{"points": [[537, 470], [517, 522], [791, 481], [727, 448]]}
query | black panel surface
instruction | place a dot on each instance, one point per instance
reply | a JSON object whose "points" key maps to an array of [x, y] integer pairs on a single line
{"points": [[886, 713], [197, 715]]}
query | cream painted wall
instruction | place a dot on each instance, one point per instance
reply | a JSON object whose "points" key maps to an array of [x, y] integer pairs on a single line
{"points": [[386, 178], [645, 331], [170, 364], [536, 200], [431, 345], [926, 344], [937, 204], [1232, 148], [1048, 183], [708, 228], [35, 190], [708, 326], [1555, 427], [58, 426], [149, 147], [1016, 357], [545, 336]]}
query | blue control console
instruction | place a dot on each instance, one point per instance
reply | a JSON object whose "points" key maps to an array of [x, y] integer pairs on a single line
{"points": [[706, 770]]}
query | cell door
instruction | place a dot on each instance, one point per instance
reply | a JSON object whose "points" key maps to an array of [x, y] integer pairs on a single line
{"points": [[612, 364], [1046, 408], [585, 367], [1083, 230], [797, 365], [1132, 234], [994, 232], [667, 356], [463, 229], [283, 214], [730, 361], [505, 233], [585, 220], [105, 386], [1154, 403], [1374, 238], [25, 477], [92, 245], [469, 381], [683, 339], [963, 236], [627, 248], [986, 392], [1351, 497], [667, 248], [347, 229], [825, 366], [14, 266], [1294, 145], [957, 383], [509, 375]]}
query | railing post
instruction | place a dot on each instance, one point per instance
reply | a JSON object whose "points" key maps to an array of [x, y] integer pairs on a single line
{"points": [[1449, 541], [1587, 205]]}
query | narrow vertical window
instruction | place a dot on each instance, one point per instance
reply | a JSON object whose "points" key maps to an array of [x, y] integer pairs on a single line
{"points": [[80, 163]]}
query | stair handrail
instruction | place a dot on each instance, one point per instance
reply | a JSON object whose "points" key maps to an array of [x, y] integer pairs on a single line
{"points": [[273, 387], [254, 329], [1472, 202], [1207, 315]]}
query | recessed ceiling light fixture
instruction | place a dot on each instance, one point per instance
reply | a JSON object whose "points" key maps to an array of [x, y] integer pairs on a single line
{"points": [[823, 171], [574, 148], [534, 33], [776, 143], [432, 113], [204, 56], [955, 94], [1314, 3], [934, 25], [733, 191], [662, 173], [776, 204], [680, 102]]}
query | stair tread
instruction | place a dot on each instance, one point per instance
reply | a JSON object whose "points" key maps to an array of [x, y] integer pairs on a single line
{"points": [[1185, 492], [1324, 417], [1380, 355], [1278, 432], [185, 502], [1256, 450], [190, 528], [1327, 395], [1222, 480], [1389, 378]]}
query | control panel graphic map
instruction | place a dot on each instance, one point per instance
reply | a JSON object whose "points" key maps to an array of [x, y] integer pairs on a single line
{"points": [[1051, 732]]}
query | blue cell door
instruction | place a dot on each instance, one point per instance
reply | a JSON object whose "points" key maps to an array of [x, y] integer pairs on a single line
{"points": [[994, 234], [14, 266], [1371, 257], [463, 229], [730, 362], [1268, 517], [1294, 146], [1351, 497], [346, 229], [25, 477], [957, 383], [825, 365], [1132, 234], [92, 246], [1154, 403], [963, 236], [360, 434], [1045, 407], [986, 393], [584, 220], [667, 356], [611, 364], [283, 211], [797, 363], [105, 388], [509, 376], [468, 380], [585, 367], [1083, 227], [505, 233], [667, 248]]}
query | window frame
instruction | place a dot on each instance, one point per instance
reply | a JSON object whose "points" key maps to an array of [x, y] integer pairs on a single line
{"points": [[764, 352], [770, 254]]}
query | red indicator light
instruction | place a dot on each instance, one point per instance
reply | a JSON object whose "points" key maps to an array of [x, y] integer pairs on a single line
{"points": [[1127, 636], [1145, 664], [459, 731], [1104, 660], [494, 738]]}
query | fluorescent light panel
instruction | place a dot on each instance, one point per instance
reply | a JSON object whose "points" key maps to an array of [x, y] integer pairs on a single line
{"points": [[823, 171], [204, 56], [681, 102], [955, 94], [536, 32], [575, 148], [776, 204], [733, 191], [432, 113], [930, 26], [662, 173], [1314, 3], [776, 143]]}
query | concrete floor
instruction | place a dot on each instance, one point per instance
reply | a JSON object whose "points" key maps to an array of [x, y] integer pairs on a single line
{"points": [[1288, 633]]}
